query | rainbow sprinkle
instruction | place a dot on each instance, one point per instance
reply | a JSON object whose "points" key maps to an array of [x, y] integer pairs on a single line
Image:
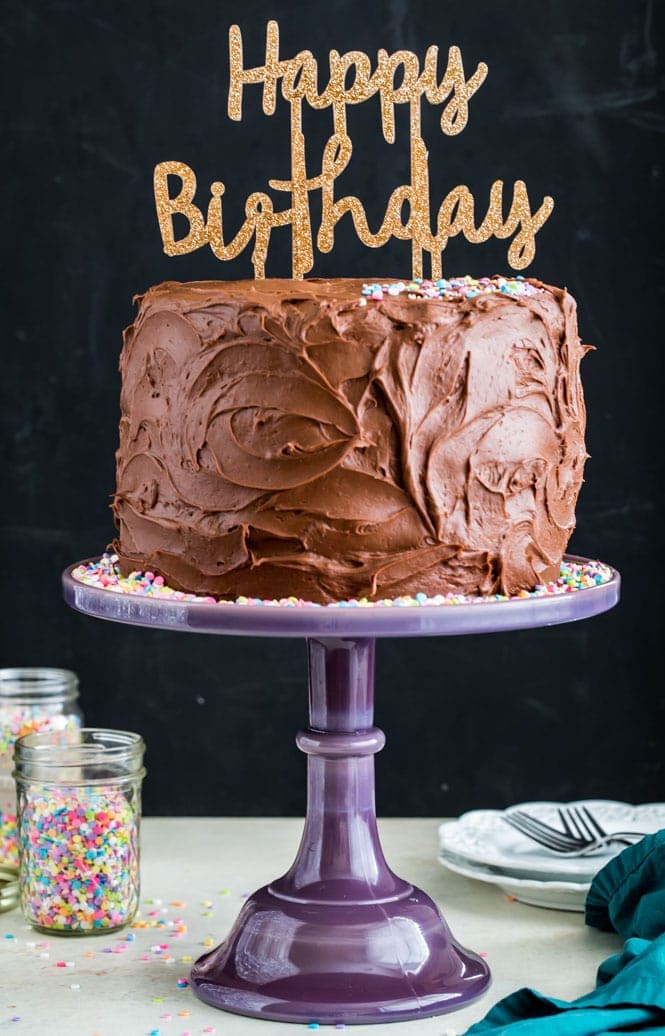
{"points": [[79, 858], [104, 574], [450, 289], [15, 721], [8, 837]]}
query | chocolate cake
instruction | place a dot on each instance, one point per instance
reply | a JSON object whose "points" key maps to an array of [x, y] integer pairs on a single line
{"points": [[329, 439]]}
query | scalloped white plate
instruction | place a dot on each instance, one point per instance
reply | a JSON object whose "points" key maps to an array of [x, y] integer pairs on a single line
{"points": [[554, 895], [482, 838]]}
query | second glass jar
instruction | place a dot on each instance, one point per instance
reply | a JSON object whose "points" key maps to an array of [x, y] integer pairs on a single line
{"points": [[32, 700]]}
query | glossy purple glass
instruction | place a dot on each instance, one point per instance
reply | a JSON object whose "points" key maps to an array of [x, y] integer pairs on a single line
{"points": [[339, 937]]}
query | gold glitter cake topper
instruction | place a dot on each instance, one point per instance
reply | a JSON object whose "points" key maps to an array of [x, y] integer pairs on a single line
{"points": [[298, 79]]}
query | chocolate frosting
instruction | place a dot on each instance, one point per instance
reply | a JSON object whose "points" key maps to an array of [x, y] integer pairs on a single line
{"points": [[283, 437]]}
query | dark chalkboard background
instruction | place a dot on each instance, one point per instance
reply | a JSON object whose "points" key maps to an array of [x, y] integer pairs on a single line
{"points": [[97, 94]]}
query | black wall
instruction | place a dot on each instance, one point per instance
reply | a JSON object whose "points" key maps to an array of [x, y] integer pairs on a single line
{"points": [[96, 95]]}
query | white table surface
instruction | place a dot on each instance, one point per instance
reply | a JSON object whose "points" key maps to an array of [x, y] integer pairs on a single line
{"points": [[215, 861]]}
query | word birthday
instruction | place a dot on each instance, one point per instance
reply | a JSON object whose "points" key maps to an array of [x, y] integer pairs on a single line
{"points": [[397, 79]]}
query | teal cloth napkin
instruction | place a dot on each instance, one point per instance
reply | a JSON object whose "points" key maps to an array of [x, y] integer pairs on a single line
{"points": [[627, 896]]}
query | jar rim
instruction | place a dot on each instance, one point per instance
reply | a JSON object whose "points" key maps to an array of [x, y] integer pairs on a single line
{"points": [[85, 745], [34, 684]]}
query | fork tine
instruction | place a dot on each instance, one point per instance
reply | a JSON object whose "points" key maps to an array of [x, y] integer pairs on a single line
{"points": [[592, 820], [558, 842], [563, 816], [555, 832], [540, 838], [578, 831], [548, 841], [539, 829], [588, 832], [539, 823]]}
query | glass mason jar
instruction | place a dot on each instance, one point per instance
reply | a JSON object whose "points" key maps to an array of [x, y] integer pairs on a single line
{"points": [[79, 808], [31, 700]]}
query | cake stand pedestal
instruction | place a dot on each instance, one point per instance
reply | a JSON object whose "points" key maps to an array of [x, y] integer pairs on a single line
{"points": [[339, 938]]}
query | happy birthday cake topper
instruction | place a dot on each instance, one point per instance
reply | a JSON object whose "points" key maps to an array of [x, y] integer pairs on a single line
{"points": [[408, 211]]}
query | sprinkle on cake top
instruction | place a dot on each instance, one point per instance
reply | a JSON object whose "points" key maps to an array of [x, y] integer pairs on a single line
{"points": [[454, 288]]}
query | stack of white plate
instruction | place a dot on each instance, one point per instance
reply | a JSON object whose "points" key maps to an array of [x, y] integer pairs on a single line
{"points": [[481, 845]]}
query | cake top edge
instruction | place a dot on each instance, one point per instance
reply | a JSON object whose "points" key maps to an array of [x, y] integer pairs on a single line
{"points": [[359, 290]]}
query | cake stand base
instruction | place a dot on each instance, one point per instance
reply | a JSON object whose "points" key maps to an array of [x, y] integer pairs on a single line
{"points": [[339, 937], [362, 962]]}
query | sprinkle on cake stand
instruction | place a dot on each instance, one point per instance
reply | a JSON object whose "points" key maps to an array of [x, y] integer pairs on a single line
{"points": [[104, 574], [339, 938]]}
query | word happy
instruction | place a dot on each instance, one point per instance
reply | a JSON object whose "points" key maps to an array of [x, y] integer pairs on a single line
{"points": [[408, 216]]}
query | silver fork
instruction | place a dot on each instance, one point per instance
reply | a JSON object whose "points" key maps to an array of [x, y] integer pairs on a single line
{"points": [[581, 835]]}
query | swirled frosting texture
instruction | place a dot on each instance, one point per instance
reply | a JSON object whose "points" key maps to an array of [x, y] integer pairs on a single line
{"points": [[284, 438]]}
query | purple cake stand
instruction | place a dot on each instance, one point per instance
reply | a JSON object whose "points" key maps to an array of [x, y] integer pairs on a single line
{"points": [[339, 937]]}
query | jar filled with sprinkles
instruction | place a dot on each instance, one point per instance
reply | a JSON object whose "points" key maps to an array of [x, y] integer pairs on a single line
{"points": [[32, 700], [79, 809]]}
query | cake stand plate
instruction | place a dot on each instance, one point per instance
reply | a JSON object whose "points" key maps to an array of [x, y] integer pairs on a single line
{"points": [[339, 938]]}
